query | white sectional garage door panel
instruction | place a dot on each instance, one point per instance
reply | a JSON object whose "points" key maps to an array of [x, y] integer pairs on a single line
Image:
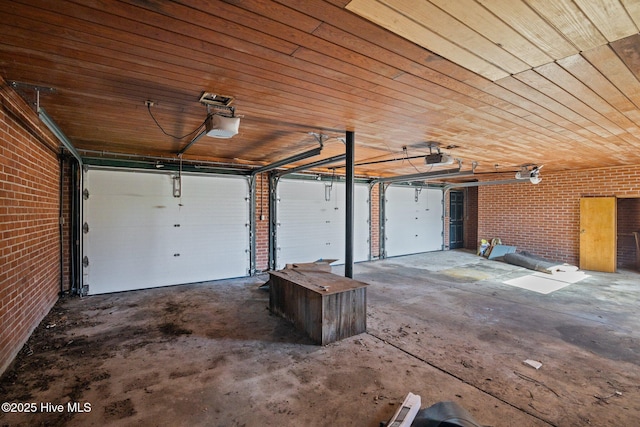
{"points": [[310, 227], [140, 236], [412, 226]]}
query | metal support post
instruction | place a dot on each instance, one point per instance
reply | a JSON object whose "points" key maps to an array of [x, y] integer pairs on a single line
{"points": [[350, 172]]}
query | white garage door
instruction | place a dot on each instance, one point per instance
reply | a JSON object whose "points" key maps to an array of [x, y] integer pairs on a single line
{"points": [[413, 220], [140, 236], [312, 221]]}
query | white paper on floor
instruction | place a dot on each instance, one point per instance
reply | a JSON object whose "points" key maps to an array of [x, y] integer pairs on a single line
{"points": [[546, 283]]}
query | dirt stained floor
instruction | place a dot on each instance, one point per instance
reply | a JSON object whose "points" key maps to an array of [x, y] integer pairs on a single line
{"points": [[442, 325]]}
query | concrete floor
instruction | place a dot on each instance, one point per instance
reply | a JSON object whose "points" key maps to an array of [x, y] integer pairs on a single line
{"points": [[441, 325]]}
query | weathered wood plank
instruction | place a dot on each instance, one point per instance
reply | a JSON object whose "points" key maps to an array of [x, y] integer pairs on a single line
{"points": [[527, 22], [610, 17], [570, 21], [584, 71], [576, 110], [325, 306], [403, 25], [443, 24], [628, 49], [580, 90], [605, 60], [633, 8], [481, 20]]}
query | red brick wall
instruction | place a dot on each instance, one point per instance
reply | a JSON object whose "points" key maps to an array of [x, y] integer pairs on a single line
{"points": [[29, 209], [262, 222], [471, 218], [544, 219]]}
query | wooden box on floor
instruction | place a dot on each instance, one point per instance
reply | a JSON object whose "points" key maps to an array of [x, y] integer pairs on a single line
{"points": [[326, 306]]}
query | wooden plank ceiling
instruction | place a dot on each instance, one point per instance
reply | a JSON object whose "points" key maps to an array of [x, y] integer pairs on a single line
{"points": [[499, 82]]}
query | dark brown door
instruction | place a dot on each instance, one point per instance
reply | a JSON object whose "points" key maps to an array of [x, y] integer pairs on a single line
{"points": [[456, 219]]}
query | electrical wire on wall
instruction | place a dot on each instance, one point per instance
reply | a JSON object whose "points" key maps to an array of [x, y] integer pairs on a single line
{"points": [[149, 104], [405, 152]]}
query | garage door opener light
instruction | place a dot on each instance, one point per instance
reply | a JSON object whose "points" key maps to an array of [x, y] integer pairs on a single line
{"points": [[532, 175], [223, 123]]}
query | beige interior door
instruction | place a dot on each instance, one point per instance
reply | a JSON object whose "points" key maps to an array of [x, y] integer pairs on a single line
{"points": [[598, 234]]}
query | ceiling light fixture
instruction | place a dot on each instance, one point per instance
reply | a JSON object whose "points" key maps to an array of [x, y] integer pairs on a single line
{"points": [[438, 158], [220, 124], [532, 175]]}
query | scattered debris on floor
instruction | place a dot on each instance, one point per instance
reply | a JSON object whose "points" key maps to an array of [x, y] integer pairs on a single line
{"points": [[188, 354], [533, 363], [445, 413], [536, 263]]}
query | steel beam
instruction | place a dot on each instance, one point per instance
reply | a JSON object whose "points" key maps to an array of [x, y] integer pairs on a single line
{"points": [[292, 159], [322, 162], [449, 186], [349, 195], [425, 176], [53, 127]]}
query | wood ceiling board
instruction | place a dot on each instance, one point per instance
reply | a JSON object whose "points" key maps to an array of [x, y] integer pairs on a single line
{"points": [[562, 78], [573, 100], [411, 30], [523, 107], [628, 49], [505, 113], [610, 17], [366, 30], [389, 89], [605, 60], [106, 59], [633, 9], [450, 28], [98, 65], [579, 67], [261, 9], [573, 121], [413, 96], [226, 24], [309, 41], [136, 57], [487, 24], [195, 45], [530, 25], [570, 21], [535, 102], [408, 66]]}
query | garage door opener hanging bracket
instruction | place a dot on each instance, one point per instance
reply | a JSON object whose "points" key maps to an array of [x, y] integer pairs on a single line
{"points": [[177, 182]]}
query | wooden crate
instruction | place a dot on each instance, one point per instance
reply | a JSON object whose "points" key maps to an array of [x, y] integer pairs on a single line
{"points": [[326, 306]]}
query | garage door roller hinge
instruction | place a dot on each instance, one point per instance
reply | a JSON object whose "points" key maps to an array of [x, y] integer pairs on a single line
{"points": [[85, 228]]}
